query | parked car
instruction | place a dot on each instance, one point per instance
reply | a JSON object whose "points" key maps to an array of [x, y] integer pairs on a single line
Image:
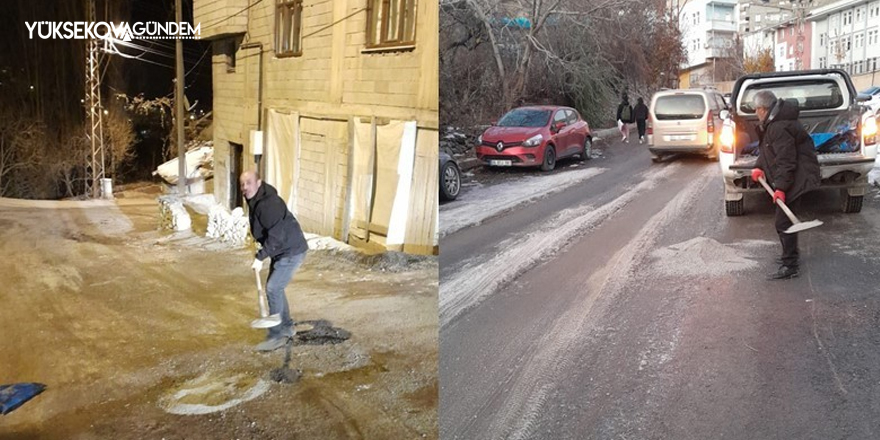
{"points": [[873, 98], [845, 133], [535, 136], [684, 121], [450, 177]]}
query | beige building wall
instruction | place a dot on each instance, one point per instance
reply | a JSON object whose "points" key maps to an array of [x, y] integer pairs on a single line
{"points": [[335, 81]]}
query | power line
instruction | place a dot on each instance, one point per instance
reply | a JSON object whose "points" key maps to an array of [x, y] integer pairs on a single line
{"points": [[233, 15]]}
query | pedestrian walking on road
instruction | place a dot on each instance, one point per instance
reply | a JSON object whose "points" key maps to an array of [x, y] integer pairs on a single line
{"points": [[640, 112], [788, 162], [624, 117], [282, 241]]}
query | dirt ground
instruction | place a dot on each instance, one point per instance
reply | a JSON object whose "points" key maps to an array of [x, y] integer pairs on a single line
{"points": [[129, 326]]}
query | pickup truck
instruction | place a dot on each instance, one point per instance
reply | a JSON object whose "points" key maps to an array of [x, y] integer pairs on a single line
{"points": [[843, 130]]}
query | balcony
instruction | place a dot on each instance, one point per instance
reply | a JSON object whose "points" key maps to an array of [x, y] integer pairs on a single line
{"points": [[220, 18], [721, 26]]}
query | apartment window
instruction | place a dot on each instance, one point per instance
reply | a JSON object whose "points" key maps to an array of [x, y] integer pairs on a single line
{"points": [[858, 15], [847, 18], [848, 43], [391, 22], [821, 39], [288, 28], [822, 63]]}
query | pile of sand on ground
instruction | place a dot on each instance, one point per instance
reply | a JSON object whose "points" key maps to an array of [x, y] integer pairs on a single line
{"points": [[701, 256]]}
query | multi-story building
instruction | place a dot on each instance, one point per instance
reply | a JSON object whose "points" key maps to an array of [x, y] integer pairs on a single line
{"points": [[793, 48], [709, 30], [336, 102], [845, 35], [755, 15]]}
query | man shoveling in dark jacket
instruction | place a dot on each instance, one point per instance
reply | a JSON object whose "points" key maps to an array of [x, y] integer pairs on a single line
{"points": [[282, 240], [787, 160]]}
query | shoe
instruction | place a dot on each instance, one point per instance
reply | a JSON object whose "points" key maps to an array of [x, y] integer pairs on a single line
{"points": [[272, 344], [626, 140], [784, 273], [289, 333], [640, 141]]}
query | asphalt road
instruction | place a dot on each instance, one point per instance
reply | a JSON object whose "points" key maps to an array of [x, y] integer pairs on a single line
{"points": [[643, 313]]}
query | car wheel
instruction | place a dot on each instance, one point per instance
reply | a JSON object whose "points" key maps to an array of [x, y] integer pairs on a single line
{"points": [[450, 181], [734, 208], [549, 159], [587, 150], [852, 204]]}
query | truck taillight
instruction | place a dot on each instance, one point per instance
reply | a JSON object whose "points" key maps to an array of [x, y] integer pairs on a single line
{"points": [[710, 123], [869, 131], [650, 128], [727, 138]]}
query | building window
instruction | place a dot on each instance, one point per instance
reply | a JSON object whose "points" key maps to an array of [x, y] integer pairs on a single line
{"points": [[858, 15], [288, 28], [847, 18], [229, 54], [822, 39], [391, 23]]}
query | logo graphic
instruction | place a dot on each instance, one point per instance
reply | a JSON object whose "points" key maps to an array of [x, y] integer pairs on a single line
{"points": [[83, 30], [500, 146]]}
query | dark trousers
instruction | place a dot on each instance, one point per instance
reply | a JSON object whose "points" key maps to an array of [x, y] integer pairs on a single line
{"points": [[641, 124], [789, 241]]}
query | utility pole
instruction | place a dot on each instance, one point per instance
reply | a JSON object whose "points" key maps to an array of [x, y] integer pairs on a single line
{"points": [[94, 110], [178, 106]]}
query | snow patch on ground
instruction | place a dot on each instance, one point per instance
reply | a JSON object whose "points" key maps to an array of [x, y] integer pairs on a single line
{"points": [[479, 279], [205, 394], [477, 205], [874, 176], [318, 242], [701, 256]]}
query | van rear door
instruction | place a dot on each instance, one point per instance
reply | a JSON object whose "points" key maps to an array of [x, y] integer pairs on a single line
{"points": [[680, 120]]}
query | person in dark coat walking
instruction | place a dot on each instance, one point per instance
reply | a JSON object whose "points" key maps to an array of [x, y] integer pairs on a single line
{"points": [[788, 161], [624, 117], [640, 112], [281, 239]]}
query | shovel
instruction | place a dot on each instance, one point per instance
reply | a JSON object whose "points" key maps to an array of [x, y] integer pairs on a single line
{"points": [[798, 225], [265, 321]]}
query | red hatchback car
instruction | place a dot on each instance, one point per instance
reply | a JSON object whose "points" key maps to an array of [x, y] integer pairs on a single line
{"points": [[535, 136]]}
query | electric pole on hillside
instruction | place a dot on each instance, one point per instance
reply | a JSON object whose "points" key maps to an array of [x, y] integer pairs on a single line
{"points": [[94, 111], [178, 106]]}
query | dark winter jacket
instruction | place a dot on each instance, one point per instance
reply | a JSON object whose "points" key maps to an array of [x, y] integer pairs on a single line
{"points": [[273, 226], [640, 112], [787, 154], [620, 111]]}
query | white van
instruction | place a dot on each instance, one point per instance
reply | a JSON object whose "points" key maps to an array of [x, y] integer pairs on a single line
{"points": [[685, 121]]}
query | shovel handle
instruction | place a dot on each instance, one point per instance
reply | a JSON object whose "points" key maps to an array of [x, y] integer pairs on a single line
{"points": [[263, 312], [779, 202]]}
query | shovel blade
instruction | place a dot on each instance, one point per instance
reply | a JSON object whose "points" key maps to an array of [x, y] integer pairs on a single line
{"points": [[802, 226], [269, 321]]}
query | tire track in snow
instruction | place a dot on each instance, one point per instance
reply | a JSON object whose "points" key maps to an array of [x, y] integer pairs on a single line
{"points": [[477, 206], [480, 279], [522, 407]]}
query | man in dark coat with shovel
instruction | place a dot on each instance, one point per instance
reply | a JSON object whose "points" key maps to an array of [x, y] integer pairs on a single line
{"points": [[787, 160], [282, 240]]}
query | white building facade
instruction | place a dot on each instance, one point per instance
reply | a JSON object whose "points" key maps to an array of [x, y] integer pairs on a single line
{"points": [[845, 35], [708, 29]]}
